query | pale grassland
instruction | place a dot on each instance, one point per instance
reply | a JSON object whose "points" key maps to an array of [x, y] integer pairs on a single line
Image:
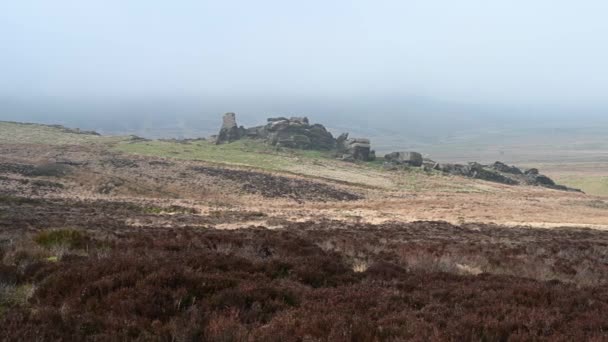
{"points": [[592, 185], [591, 177], [18, 133]]}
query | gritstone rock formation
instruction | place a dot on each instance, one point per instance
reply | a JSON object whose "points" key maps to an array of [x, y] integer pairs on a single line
{"points": [[297, 132]]}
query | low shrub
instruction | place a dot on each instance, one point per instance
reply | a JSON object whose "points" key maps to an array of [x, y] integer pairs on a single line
{"points": [[71, 238]]}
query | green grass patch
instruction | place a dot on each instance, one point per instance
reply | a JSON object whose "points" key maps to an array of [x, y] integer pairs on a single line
{"points": [[246, 152], [71, 238], [14, 295]]}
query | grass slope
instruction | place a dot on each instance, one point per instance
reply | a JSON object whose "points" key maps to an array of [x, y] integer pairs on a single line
{"points": [[243, 152], [26, 133]]}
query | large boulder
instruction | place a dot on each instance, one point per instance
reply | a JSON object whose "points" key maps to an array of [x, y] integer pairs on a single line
{"points": [[354, 148], [404, 158], [230, 131]]}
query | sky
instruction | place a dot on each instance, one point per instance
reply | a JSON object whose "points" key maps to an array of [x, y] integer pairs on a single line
{"points": [[537, 54]]}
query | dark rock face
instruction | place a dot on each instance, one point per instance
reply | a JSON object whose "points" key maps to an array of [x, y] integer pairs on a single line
{"points": [[502, 167], [502, 173], [476, 170], [540, 180], [230, 131], [404, 158]]}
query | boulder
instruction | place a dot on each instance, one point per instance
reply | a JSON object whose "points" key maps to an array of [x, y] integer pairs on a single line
{"points": [[405, 158], [296, 132], [359, 148], [230, 131]]}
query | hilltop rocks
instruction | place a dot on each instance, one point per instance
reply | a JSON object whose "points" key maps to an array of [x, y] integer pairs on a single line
{"points": [[230, 131], [295, 132], [404, 158]]}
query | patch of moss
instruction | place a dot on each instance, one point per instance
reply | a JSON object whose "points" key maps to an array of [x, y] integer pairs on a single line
{"points": [[14, 200]]}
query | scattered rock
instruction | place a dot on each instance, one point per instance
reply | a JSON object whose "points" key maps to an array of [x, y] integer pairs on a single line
{"points": [[404, 158]]}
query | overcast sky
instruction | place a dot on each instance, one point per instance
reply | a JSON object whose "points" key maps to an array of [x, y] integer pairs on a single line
{"points": [[522, 52]]}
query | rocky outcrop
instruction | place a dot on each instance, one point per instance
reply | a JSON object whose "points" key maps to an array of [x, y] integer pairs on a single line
{"points": [[404, 158], [297, 132], [502, 173], [230, 131]]}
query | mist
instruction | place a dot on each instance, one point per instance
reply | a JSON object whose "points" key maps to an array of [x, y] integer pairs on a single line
{"points": [[422, 69]]}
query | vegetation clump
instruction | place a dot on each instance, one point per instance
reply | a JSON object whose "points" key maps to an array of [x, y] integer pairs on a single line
{"points": [[71, 238]]}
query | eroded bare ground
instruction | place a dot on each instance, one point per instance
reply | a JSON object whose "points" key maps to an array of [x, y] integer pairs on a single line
{"points": [[102, 246]]}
